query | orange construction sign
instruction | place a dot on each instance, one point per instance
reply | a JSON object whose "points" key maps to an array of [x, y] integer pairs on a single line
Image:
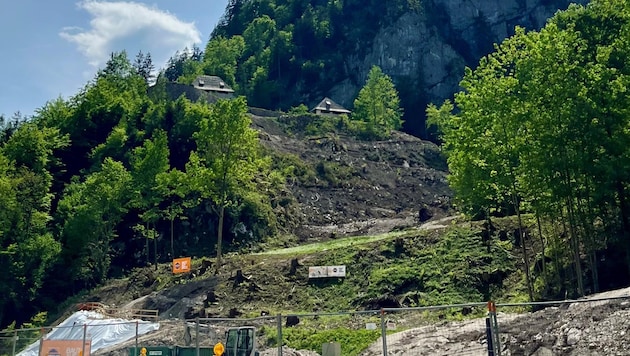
{"points": [[65, 347], [181, 265]]}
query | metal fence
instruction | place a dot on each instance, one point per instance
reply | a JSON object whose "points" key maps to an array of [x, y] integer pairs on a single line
{"points": [[544, 328]]}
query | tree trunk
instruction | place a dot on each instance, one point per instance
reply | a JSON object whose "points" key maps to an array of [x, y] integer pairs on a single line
{"points": [[575, 243], [146, 243], [155, 254], [172, 248], [220, 237], [530, 290], [625, 220], [542, 243]]}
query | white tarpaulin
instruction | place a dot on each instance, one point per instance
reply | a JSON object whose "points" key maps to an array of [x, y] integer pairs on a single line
{"points": [[104, 332]]}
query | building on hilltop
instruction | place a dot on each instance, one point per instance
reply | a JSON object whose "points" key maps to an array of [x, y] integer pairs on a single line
{"points": [[213, 85], [329, 107]]}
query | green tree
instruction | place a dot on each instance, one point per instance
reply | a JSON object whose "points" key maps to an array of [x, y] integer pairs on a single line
{"points": [[27, 247], [378, 105], [90, 211], [221, 58], [147, 162], [540, 124], [174, 187], [227, 156]]}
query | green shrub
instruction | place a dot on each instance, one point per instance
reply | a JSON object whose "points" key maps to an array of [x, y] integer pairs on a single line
{"points": [[353, 342]]}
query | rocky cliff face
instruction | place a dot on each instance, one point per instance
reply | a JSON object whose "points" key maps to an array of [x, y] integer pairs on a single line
{"points": [[425, 52]]}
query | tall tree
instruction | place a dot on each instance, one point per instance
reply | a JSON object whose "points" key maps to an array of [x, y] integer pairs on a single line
{"points": [[227, 156], [143, 66], [543, 119], [147, 162], [27, 247], [221, 56], [378, 105], [91, 211]]}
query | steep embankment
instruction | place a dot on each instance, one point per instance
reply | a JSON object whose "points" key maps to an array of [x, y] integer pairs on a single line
{"points": [[344, 186]]}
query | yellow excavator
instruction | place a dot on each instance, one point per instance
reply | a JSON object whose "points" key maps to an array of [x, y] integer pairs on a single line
{"points": [[239, 341]]}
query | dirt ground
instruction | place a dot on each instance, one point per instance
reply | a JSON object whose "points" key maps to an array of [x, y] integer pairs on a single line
{"points": [[593, 326], [382, 185]]}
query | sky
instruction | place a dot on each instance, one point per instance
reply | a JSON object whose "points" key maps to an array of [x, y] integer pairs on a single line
{"points": [[50, 48]]}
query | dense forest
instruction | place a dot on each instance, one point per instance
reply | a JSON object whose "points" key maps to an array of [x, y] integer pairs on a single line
{"points": [[283, 53], [541, 129]]}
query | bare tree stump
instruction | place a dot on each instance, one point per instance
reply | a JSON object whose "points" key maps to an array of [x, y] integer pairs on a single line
{"points": [[294, 266]]}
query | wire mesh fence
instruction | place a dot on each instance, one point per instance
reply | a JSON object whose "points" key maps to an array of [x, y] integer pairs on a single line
{"points": [[591, 326], [544, 328]]}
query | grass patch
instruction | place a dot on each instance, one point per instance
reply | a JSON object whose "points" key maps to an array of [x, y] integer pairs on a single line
{"points": [[311, 333], [335, 244]]}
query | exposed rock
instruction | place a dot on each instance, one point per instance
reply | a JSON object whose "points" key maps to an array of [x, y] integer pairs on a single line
{"points": [[428, 50], [573, 336]]}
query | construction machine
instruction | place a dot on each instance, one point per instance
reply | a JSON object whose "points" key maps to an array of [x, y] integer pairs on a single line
{"points": [[241, 341]]}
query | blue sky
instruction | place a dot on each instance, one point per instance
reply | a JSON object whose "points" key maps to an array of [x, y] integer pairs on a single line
{"points": [[53, 48]]}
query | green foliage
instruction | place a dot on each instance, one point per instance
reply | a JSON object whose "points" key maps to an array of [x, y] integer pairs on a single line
{"points": [[458, 268], [227, 157], [298, 110], [293, 49], [228, 147], [334, 173], [353, 342], [221, 56], [378, 105], [541, 126], [91, 210]]}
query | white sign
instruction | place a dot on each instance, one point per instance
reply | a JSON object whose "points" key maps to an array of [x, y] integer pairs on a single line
{"points": [[336, 271], [326, 271], [317, 272], [391, 325], [370, 326]]}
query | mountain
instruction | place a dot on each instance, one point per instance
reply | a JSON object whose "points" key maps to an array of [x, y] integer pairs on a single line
{"points": [[320, 48]]}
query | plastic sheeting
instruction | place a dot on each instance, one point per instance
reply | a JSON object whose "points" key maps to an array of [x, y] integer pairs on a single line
{"points": [[104, 332]]}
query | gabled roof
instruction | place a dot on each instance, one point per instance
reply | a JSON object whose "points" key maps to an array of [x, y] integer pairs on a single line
{"points": [[327, 105], [211, 83]]}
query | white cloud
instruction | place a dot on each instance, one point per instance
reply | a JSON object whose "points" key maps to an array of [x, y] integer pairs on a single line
{"points": [[130, 26]]}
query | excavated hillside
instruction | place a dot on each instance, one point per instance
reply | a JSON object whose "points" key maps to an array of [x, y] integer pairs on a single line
{"points": [[395, 191], [360, 187]]}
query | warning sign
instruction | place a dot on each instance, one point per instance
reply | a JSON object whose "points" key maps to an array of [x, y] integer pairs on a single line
{"points": [[181, 265], [65, 347]]}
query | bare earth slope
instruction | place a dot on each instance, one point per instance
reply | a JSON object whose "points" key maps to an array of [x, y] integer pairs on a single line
{"points": [[362, 187]]}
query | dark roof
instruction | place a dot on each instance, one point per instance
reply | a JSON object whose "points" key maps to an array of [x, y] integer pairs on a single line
{"points": [[211, 83], [330, 106]]}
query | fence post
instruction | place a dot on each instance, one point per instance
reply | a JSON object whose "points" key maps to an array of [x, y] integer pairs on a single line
{"points": [[135, 352], [197, 336], [84, 336], [496, 342], [15, 339], [384, 332], [280, 334], [489, 337], [41, 341]]}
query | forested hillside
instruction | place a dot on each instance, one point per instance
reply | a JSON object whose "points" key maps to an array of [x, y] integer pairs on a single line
{"points": [[88, 185], [282, 53], [122, 175]]}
